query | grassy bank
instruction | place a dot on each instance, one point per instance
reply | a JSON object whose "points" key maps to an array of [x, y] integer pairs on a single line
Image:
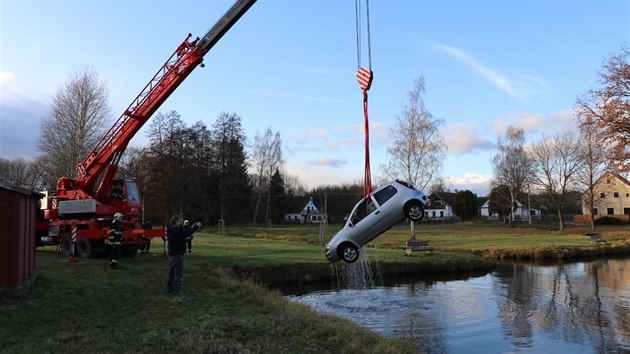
{"points": [[524, 242], [294, 255], [87, 307]]}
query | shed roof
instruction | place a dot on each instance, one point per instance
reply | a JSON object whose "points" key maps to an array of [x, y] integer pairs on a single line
{"points": [[20, 190]]}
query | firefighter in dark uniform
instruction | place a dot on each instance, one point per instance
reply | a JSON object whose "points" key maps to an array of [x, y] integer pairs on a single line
{"points": [[115, 240]]}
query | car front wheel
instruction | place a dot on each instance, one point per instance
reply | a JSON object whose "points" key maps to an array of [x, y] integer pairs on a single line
{"points": [[414, 211], [349, 253]]}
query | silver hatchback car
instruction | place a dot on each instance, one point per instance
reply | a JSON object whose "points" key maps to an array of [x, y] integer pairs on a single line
{"points": [[384, 208]]}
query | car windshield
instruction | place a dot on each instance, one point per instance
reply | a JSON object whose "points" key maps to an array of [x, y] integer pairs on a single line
{"points": [[362, 210]]}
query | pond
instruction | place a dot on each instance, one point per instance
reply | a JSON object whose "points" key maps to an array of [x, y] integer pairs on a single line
{"points": [[527, 308]]}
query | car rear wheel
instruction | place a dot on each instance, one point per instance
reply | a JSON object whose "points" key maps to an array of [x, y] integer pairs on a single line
{"points": [[414, 211], [349, 253]]}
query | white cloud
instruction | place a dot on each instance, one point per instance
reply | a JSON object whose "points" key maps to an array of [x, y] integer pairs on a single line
{"points": [[6, 77], [19, 118], [312, 139], [519, 89], [476, 183], [535, 123], [19, 129], [462, 139], [326, 161], [319, 132]]}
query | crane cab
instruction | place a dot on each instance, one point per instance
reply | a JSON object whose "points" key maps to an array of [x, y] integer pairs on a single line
{"points": [[124, 194]]}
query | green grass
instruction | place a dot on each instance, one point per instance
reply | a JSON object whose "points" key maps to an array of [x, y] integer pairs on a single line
{"points": [[87, 307], [496, 241]]}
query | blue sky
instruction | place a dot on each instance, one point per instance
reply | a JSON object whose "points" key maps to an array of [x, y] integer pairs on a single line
{"points": [[290, 65]]}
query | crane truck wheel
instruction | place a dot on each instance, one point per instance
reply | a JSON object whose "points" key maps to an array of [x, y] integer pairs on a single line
{"points": [[84, 248], [66, 246]]}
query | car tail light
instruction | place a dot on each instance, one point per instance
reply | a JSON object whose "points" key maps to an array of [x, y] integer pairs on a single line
{"points": [[406, 184]]}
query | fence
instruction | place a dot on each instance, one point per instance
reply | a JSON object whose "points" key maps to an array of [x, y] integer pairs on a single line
{"points": [[586, 219]]}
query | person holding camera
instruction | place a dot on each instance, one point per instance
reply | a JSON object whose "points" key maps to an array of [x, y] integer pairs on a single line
{"points": [[176, 235]]}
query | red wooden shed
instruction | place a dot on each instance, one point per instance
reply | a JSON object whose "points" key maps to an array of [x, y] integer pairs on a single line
{"points": [[18, 208]]}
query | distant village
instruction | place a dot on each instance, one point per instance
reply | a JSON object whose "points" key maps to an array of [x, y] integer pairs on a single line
{"points": [[612, 194]]}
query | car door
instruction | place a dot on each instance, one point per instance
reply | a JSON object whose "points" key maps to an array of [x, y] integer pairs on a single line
{"points": [[365, 221], [386, 198]]}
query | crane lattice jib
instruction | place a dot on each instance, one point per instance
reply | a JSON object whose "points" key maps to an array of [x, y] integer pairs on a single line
{"points": [[180, 64]]}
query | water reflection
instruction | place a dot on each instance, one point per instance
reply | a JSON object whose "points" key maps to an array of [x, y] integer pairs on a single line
{"points": [[577, 308]]}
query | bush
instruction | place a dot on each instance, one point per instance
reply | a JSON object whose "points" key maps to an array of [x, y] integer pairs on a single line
{"points": [[608, 220]]}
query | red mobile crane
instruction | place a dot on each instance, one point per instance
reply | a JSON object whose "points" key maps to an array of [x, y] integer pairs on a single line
{"points": [[78, 214]]}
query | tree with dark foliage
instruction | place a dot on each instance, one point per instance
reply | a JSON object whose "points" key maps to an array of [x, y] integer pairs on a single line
{"points": [[465, 205]]}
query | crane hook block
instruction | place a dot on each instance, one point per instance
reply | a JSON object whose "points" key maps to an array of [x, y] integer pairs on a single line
{"points": [[365, 78]]}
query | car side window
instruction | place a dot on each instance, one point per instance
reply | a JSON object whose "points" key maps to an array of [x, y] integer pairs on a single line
{"points": [[364, 209], [385, 194]]}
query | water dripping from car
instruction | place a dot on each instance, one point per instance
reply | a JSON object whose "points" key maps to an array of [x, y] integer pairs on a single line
{"points": [[360, 274]]}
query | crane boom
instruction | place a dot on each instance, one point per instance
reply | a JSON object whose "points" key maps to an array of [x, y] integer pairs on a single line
{"points": [[106, 154]]}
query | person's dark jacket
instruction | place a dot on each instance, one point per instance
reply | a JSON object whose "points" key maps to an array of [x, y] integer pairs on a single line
{"points": [[177, 238], [115, 233]]}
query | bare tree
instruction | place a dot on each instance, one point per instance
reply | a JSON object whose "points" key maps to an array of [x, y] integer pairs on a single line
{"points": [[21, 173], [512, 165], [130, 165], [556, 164], [80, 113], [292, 185], [266, 159], [594, 157], [608, 107], [417, 148]]}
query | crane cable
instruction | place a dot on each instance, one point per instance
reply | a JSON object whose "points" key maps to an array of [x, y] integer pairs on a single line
{"points": [[364, 76]]}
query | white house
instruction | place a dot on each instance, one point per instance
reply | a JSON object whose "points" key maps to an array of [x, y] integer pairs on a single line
{"points": [[520, 213], [439, 207], [310, 214]]}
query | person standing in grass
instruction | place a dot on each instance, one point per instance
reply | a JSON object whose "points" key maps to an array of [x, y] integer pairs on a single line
{"points": [[146, 241], [189, 238], [115, 240], [176, 235]]}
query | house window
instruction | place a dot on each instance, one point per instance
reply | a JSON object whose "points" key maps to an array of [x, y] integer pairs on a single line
{"points": [[433, 213], [616, 194], [595, 211], [441, 214], [610, 211], [626, 211], [602, 195], [608, 181], [627, 194]]}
